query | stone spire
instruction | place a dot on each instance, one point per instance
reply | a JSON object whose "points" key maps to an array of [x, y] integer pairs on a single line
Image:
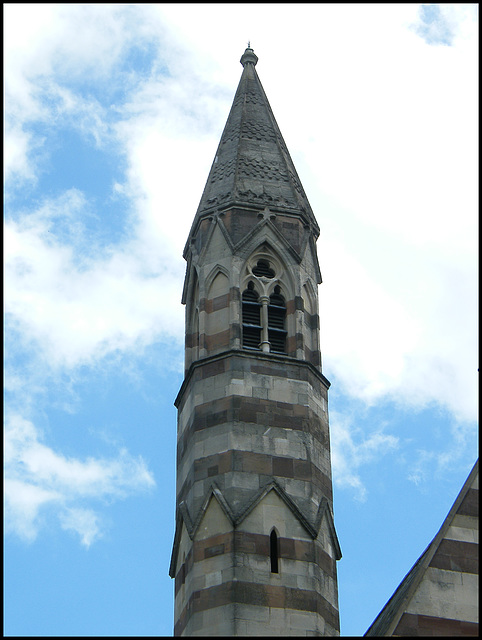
{"points": [[252, 166], [255, 547]]}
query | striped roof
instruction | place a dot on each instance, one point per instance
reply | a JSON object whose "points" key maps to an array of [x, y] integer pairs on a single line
{"points": [[416, 607]]}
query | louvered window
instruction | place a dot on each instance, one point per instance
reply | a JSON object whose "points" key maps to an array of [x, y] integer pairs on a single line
{"points": [[262, 268], [276, 322], [251, 318], [263, 318]]}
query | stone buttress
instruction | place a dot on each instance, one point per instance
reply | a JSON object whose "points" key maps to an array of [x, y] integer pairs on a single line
{"points": [[255, 547]]}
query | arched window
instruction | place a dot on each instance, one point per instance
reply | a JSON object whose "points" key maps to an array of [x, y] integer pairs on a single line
{"points": [[267, 326], [274, 551], [276, 322], [251, 318]]}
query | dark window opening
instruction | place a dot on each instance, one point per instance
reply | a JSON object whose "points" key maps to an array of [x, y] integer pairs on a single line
{"points": [[276, 322], [262, 268], [251, 318], [273, 551]]}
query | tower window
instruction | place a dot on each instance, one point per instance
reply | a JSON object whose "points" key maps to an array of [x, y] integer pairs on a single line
{"points": [[273, 551], [265, 326], [276, 322], [251, 318]]}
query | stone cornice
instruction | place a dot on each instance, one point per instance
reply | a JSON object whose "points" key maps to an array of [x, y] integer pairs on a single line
{"points": [[256, 355]]}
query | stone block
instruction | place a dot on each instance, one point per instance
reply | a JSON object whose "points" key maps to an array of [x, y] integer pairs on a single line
{"points": [[303, 621], [463, 534]]}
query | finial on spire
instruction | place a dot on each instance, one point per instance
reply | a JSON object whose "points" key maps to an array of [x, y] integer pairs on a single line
{"points": [[249, 56]]}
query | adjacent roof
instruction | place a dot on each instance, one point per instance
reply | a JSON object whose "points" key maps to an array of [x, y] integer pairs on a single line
{"points": [[387, 620], [252, 165]]}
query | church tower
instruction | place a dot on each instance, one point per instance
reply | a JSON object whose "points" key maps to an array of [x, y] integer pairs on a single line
{"points": [[255, 547]]}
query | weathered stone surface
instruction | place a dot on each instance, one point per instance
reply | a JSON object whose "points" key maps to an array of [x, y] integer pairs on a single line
{"points": [[253, 449]]}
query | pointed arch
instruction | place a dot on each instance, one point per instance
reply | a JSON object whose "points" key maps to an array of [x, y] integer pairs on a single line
{"points": [[218, 288], [266, 286], [270, 265], [217, 270], [191, 285], [311, 323], [266, 232], [216, 309], [308, 294], [192, 318]]}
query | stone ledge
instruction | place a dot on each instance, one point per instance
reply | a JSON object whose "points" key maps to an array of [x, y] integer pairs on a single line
{"points": [[215, 365]]}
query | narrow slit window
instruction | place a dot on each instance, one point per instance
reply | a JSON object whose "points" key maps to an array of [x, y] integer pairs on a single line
{"points": [[273, 551]]}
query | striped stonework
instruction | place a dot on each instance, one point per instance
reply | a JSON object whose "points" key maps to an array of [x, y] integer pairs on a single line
{"points": [[440, 595], [225, 585], [253, 418], [255, 547]]}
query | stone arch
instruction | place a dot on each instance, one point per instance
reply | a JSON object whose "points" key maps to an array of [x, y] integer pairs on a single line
{"points": [[192, 294], [216, 274], [310, 329], [275, 271], [216, 311], [192, 320], [266, 272], [308, 294]]}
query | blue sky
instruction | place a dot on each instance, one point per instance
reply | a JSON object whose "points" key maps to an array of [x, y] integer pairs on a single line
{"points": [[112, 117]]}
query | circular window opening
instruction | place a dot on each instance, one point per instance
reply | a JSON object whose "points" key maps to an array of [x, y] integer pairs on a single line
{"points": [[262, 269]]}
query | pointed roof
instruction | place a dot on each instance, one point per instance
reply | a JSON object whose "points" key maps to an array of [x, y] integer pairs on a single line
{"points": [[252, 165], [435, 555]]}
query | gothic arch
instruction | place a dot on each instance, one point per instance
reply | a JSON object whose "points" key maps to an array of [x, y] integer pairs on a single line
{"points": [[215, 319], [266, 289], [276, 263], [266, 232], [192, 320], [192, 305], [310, 323], [309, 297], [213, 274]]}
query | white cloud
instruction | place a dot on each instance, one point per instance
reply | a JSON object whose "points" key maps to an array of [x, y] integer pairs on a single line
{"points": [[23, 503], [76, 310], [49, 50], [351, 449], [432, 27], [406, 334], [382, 129], [444, 24], [83, 522], [37, 478], [437, 462]]}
